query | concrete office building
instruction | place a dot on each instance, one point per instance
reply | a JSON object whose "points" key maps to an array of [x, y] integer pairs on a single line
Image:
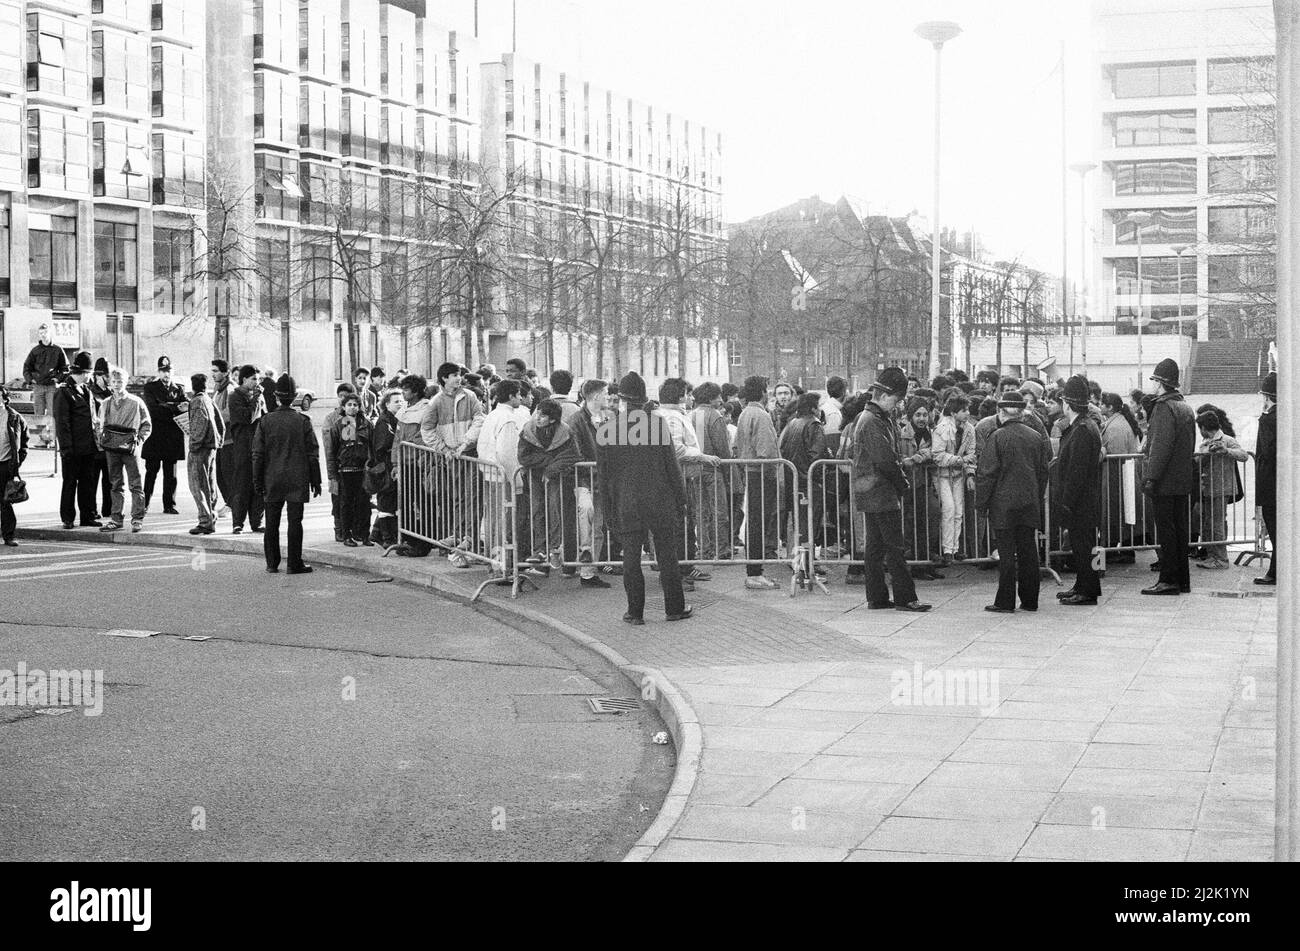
{"points": [[1184, 132], [245, 177]]}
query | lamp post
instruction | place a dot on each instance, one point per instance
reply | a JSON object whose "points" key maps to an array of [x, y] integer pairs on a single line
{"points": [[1082, 169], [936, 33], [1180, 250], [1138, 219]]}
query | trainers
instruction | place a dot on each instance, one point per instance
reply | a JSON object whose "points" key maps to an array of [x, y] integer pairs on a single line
{"points": [[596, 582], [136, 527], [697, 575], [110, 527], [557, 559], [760, 583], [615, 571], [1213, 564]]}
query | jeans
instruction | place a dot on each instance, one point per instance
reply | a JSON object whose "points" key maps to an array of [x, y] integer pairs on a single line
{"points": [[591, 529], [124, 470], [554, 519], [1018, 567], [354, 506], [761, 512], [80, 487], [271, 540], [151, 467], [665, 531], [245, 501], [1214, 525], [199, 469], [714, 516], [952, 505], [1173, 530], [883, 542]]}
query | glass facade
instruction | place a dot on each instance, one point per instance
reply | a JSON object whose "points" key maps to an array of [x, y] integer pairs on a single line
{"points": [[177, 170], [317, 282], [58, 56], [277, 191], [176, 85], [12, 172], [1159, 275], [52, 259], [1169, 176], [117, 266], [1252, 74], [1243, 223], [1153, 79], [1167, 226], [274, 267], [1153, 128], [1241, 125], [6, 269], [121, 161], [58, 151], [1243, 174], [1242, 274], [173, 268], [119, 71]]}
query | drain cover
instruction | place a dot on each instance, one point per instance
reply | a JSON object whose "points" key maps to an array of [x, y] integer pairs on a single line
{"points": [[1242, 594], [613, 705]]}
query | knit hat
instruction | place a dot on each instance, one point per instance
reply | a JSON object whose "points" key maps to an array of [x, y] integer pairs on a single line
{"points": [[1012, 399], [285, 386], [164, 363], [1076, 392], [1166, 373], [1034, 387], [101, 365], [631, 388], [892, 381], [81, 363], [1269, 386]]}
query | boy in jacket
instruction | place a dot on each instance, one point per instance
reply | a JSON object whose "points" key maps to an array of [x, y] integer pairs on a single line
{"points": [[13, 452], [207, 433], [416, 501], [547, 454], [347, 454]]}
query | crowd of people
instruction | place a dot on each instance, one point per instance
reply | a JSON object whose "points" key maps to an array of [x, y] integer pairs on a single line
{"points": [[600, 472]]}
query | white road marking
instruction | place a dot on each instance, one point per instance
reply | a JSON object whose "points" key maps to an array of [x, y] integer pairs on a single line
{"points": [[57, 570], [109, 571], [61, 553]]}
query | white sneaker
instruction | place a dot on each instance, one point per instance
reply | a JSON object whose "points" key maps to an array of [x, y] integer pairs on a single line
{"points": [[760, 583], [223, 511]]}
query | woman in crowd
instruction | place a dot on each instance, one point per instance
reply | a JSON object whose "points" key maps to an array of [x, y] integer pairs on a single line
{"points": [[347, 453], [953, 449], [381, 451], [921, 512], [802, 443], [1120, 436]]}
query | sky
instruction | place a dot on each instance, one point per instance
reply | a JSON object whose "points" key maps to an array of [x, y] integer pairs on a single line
{"points": [[829, 97]]}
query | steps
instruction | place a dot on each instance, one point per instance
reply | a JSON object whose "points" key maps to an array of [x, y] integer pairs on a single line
{"points": [[1227, 366]]}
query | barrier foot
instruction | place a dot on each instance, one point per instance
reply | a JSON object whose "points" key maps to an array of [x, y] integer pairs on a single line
{"points": [[1249, 557], [518, 582], [1046, 572]]}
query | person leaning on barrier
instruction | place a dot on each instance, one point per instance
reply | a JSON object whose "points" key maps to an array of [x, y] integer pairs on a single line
{"points": [[13, 452], [1077, 498], [286, 468], [548, 455], [756, 440], [591, 521], [381, 454], [418, 498], [1171, 478], [1217, 459], [451, 426], [878, 485], [1266, 472], [498, 444], [1009, 487], [709, 420], [643, 496]]}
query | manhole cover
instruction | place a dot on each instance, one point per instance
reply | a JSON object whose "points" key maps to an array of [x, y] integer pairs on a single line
{"points": [[1242, 594], [613, 705]]}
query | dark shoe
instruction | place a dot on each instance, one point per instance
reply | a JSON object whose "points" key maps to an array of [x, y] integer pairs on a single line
{"points": [[237, 530], [338, 535], [569, 573], [10, 543], [685, 614], [350, 542], [1079, 601], [300, 570], [1065, 595], [258, 530], [916, 607], [634, 621], [1025, 607], [594, 583], [272, 571], [96, 523], [1186, 590], [405, 551], [366, 543], [171, 511], [994, 609], [1155, 566], [198, 530], [1163, 589], [1267, 581], [882, 606], [68, 526]]}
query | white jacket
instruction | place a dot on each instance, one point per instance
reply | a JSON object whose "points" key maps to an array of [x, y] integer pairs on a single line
{"points": [[498, 441]]}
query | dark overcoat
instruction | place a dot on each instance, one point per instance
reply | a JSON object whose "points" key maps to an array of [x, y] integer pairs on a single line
{"points": [[1012, 476], [163, 400], [286, 456], [639, 477], [1266, 460], [1077, 487]]}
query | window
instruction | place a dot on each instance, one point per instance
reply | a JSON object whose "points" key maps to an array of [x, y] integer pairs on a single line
{"points": [[1167, 226], [338, 351], [117, 266], [52, 243], [176, 85], [1241, 125], [320, 192], [1243, 223], [11, 46], [359, 120], [1245, 75], [319, 118], [1153, 128], [12, 170], [1243, 274], [286, 349], [393, 292], [318, 284], [173, 265], [121, 161], [5, 267], [277, 112], [273, 270], [1245, 173], [1176, 176], [58, 151], [120, 71], [1159, 275], [1153, 79], [120, 333], [277, 191], [177, 170], [57, 56]]}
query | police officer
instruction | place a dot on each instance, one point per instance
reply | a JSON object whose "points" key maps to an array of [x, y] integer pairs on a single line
{"points": [[166, 444], [1171, 478], [286, 467], [1266, 471], [1078, 491]]}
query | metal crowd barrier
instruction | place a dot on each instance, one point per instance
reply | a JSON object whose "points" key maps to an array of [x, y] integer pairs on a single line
{"points": [[458, 504], [559, 522]]}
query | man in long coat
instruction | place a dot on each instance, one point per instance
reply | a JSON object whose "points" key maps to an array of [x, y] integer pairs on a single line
{"points": [[1171, 478], [286, 467], [643, 496], [165, 401], [1266, 471], [1077, 500], [74, 427], [245, 410], [1009, 487]]}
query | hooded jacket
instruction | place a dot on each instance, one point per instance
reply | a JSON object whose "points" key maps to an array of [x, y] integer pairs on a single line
{"points": [[408, 429], [1171, 445], [452, 421], [556, 457]]}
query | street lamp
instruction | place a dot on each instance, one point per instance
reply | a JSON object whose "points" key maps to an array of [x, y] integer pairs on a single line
{"points": [[1138, 219], [1180, 250], [936, 33], [1082, 169]]}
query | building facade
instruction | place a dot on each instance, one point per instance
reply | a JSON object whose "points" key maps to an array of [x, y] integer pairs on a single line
{"points": [[1184, 134], [287, 183]]}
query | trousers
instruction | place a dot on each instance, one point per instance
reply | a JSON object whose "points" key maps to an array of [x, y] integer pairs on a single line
{"points": [[665, 531], [883, 543], [1018, 567], [151, 467], [124, 470], [1174, 532], [80, 487], [1083, 538], [271, 540]]}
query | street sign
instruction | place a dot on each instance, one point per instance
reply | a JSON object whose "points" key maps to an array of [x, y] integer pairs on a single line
{"points": [[66, 332]]}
